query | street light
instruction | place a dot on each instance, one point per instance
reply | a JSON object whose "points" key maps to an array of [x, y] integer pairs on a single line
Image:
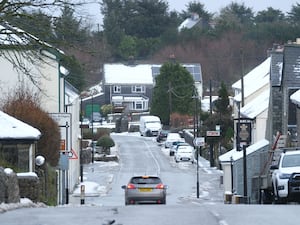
{"points": [[196, 132]]}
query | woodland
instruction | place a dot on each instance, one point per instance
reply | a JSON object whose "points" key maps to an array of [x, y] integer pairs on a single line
{"points": [[227, 44]]}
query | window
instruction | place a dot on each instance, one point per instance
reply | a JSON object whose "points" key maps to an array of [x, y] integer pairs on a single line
{"points": [[138, 89], [138, 105], [117, 89]]}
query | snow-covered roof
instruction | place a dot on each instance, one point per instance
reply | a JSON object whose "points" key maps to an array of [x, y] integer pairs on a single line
{"points": [[205, 102], [128, 74], [236, 155], [12, 128], [254, 80], [71, 94], [295, 98], [11, 35], [256, 106], [189, 22]]}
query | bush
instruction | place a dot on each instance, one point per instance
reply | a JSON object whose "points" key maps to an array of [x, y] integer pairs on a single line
{"points": [[106, 142]]}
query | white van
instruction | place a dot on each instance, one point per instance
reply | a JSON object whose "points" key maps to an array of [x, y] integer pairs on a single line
{"points": [[150, 125], [172, 137]]}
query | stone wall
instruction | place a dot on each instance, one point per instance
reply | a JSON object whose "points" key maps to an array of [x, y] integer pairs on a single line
{"points": [[9, 187], [29, 187]]}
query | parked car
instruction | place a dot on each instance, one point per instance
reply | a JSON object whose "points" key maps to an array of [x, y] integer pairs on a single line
{"points": [[175, 145], [286, 177], [184, 153], [162, 135], [85, 123], [96, 117], [145, 189], [171, 138]]}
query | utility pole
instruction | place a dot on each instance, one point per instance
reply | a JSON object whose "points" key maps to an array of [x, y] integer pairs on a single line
{"points": [[211, 146], [170, 101]]}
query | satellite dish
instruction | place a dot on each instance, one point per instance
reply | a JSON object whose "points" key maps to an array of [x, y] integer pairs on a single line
{"points": [[39, 160]]}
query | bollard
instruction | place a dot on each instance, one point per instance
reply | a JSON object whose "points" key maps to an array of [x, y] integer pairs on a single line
{"points": [[82, 194]]}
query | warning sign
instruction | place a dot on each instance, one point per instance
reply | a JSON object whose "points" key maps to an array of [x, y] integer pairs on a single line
{"points": [[72, 154]]}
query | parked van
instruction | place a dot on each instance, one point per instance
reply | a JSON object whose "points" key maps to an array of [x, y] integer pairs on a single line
{"points": [[150, 125]]}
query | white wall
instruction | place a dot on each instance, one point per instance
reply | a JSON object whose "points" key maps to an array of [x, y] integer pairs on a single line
{"points": [[46, 76]]}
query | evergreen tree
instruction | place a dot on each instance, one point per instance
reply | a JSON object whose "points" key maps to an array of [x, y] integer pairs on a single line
{"points": [[173, 92]]}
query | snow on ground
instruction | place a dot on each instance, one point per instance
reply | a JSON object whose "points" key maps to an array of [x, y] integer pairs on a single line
{"points": [[93, 189]]}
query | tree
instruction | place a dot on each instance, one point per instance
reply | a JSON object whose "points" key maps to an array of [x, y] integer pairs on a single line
{"points": [[269, 16], [222, 105], [25, 106], [294, 15], [145, 21], [128, 47], [234, 17], [106, 142], [37, 28], [174, 89], [68, 29]]}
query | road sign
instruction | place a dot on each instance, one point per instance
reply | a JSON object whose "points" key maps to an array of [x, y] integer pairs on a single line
{"points": [[213, 133], [199, 141], [72, 154]]}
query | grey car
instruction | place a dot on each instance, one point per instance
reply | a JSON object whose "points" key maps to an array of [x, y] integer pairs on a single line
{"points": [[145, 189]]}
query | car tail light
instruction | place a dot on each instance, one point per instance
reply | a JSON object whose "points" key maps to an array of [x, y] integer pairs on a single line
{"points": [[160, 186], [130, 186]]}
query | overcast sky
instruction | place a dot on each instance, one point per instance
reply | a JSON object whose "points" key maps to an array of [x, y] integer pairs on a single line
{"points": [[212, 6]]}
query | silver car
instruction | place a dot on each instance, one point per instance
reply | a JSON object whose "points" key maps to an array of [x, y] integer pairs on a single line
{"points": [[145, 189]]}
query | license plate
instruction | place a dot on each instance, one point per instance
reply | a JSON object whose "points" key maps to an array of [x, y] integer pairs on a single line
{"points": [[145, 189]]}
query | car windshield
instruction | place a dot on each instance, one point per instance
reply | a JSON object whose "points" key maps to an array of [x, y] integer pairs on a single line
{"points": [[291, 161], [146, 180]]}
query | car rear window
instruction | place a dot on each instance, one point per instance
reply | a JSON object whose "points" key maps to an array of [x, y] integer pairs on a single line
{"points": [[145, 180]]}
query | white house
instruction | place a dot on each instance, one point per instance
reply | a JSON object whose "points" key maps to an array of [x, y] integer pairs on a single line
{"points": [[256, 104], [256, 98], [40, 71]]}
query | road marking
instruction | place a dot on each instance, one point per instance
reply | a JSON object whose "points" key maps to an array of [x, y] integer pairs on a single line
{"points": [[155, 160]]}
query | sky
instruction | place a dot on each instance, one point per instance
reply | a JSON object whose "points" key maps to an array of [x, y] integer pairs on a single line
{"points": [[212, 6]]}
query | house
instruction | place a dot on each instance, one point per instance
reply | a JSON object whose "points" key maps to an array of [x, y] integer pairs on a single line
{"points": [[18, 142], [273, 106], [190, 22], [130, 87], [41, 73], [256, 99], [255, 109]]}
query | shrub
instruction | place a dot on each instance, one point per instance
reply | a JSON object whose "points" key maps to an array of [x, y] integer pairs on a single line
{"points": [[106, 142]]}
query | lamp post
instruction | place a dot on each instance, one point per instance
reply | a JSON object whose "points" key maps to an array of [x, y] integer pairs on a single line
{"points": [[196, 132], [81, 143]]}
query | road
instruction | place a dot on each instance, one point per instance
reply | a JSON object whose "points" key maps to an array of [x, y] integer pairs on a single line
{"points": [[143, 155]]}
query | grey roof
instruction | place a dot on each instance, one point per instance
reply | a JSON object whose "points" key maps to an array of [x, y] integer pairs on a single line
{"points": [[193, 68], [276, 68]]}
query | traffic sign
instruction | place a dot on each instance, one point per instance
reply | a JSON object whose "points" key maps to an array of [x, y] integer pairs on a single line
{"points": [[199, 141], [213, 133], [72, 154]]}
